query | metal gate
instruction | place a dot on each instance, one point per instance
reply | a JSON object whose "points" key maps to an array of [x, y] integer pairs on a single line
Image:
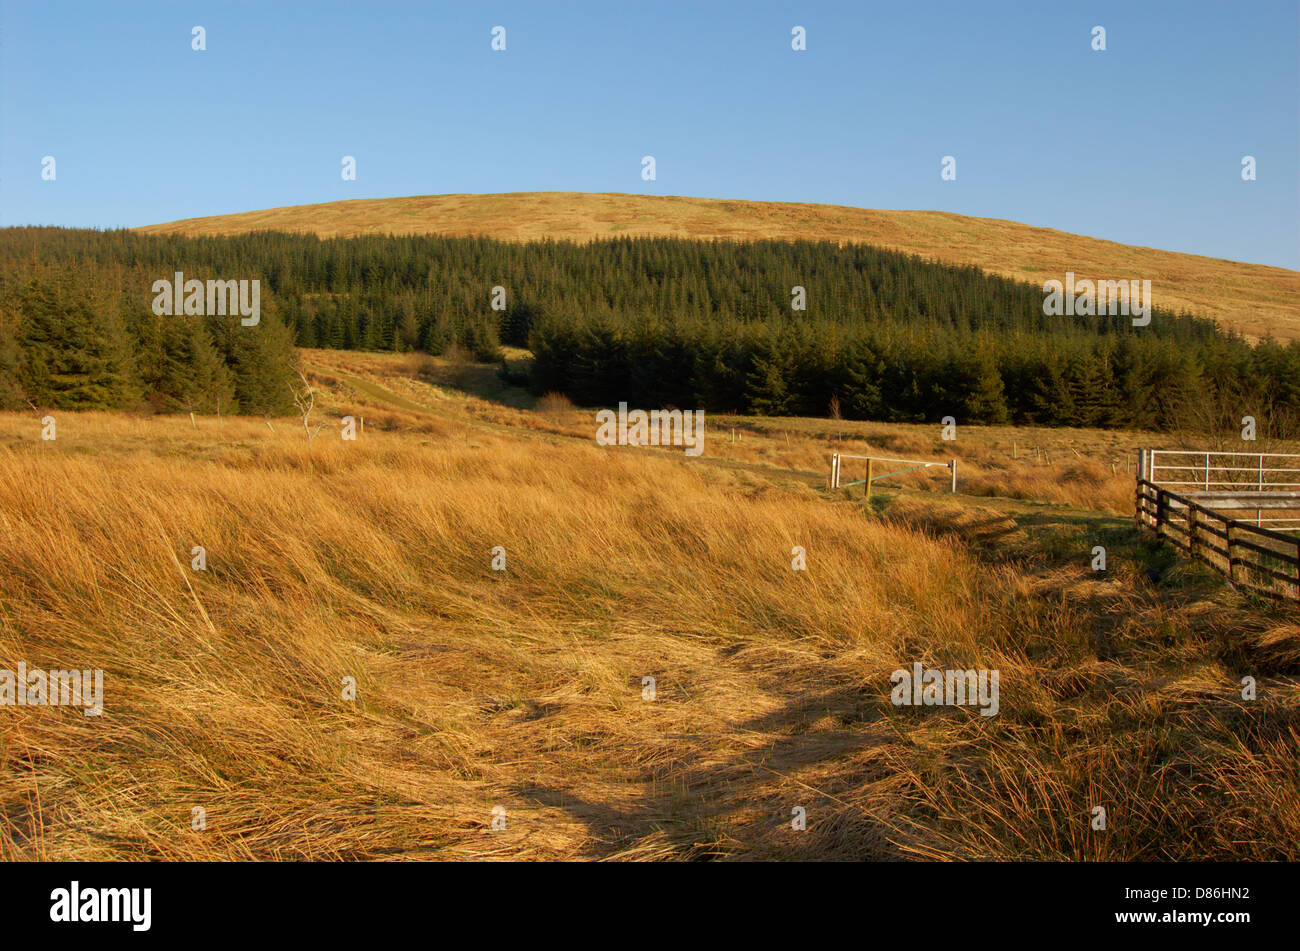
{"points": [[837, 470]]}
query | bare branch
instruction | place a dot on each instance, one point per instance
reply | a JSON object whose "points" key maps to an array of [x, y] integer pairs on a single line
{"points": [[305, 400]]}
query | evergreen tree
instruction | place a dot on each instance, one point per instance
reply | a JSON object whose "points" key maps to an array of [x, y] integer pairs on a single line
{"points": [[76, 354], [767, 390], [655, 321]]}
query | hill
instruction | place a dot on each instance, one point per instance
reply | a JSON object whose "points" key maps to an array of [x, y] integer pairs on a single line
{"points": [[1252, 299]]}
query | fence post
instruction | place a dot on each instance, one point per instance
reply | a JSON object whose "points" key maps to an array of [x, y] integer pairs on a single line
{"points": [[870, 469], [1160, 510], [954, 477], [835, 470], [1193, 547], [1207, 472], [1259, 513]]}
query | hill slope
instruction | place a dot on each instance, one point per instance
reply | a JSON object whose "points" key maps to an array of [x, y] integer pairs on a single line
{"points": [[1251, 298]]}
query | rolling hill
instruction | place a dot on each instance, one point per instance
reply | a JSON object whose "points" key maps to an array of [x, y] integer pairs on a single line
{"points": [[1252, 299]]}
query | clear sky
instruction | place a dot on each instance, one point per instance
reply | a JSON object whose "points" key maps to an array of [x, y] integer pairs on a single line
{"points": [[1142, 143]]}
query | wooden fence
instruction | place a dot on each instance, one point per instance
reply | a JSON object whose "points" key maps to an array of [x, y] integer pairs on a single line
{"points": [[1262, 560]]}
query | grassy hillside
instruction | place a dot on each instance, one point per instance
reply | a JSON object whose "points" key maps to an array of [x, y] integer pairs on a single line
{"points": [[523, 689], [1251, 298]]}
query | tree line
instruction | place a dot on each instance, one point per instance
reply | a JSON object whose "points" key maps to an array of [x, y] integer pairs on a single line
{"points": [[899, 373], [77, 338], [768, 327]]}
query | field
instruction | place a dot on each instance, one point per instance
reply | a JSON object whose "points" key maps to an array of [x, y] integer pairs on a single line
{"points": [[1250, 298], [519, 695]]}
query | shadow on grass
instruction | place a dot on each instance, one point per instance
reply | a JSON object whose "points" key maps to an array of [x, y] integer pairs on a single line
{"points": [[709, 795]]}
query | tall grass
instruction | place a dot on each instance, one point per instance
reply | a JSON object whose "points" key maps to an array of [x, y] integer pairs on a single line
{"points": [[523, 688]]}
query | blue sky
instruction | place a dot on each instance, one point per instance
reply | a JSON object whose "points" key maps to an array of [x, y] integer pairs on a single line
{"points": [[1141, 143]]}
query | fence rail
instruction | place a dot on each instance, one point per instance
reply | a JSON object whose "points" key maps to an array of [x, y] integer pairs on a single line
{"points": [[1262, 560], [1207, 471]]}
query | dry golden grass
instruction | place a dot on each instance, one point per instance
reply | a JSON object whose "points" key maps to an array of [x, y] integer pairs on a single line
{"points": [[1089, 469], [1251, 298], [523, 688]]}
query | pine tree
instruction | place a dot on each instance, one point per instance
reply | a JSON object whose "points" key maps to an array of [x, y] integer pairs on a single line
{"points": [[767, 391], [76, 354]]}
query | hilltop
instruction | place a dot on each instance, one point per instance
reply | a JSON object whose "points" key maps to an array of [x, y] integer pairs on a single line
{"points": [[1252, 299]]}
